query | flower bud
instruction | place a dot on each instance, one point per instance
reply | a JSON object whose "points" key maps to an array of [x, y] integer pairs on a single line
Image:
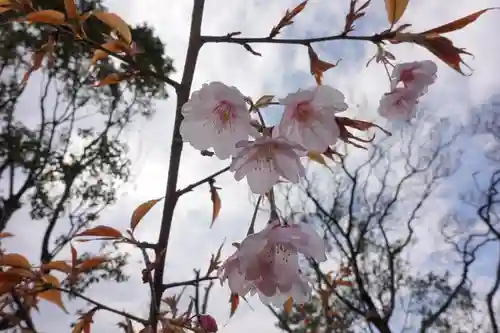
{"points": [[208, 323]]}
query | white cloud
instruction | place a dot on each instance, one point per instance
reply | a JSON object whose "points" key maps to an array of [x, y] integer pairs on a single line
{"points": [[281, 69]]}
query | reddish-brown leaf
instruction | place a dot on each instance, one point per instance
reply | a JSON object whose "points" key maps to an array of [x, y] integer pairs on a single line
{"points": [[90, 264], [216, 203], [57, 265], [36, 60], [6, 234], [52, 295], [71, 9], [14, 260], [341, 282], [234, 300], [395, 9], [318, 67], [288, 306], [458, 24], [141, 211], [444, 49], [116, 22], [360, 125], [101, 231], [48, 16], [287, 18]]}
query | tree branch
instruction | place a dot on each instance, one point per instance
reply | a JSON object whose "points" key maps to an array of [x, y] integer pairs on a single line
{"points": [[171, 196]]}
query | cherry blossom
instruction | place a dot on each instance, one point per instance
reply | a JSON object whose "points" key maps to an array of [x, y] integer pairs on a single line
{"points": [[417, 75], [267, 263], [265, 160], [216, 116], [309, 117], [400, 104]]}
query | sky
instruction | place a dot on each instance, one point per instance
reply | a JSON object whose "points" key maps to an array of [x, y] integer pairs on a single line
{"points": [[281, 69]]}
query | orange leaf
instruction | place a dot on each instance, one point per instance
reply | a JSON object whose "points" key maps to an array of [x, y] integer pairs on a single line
{"points": [[395, 9], [4, 9], [288, 306], [444, 49], [37, 59], [318, 67], [71, 9], [287, 19], [234, 300], [458, 24], [114, 46], [216, 203], [83, 325], [48, 16], [101, 231], [116, 22], [6, 234], [90, 264], [112, 78], [58, 265], [74, 256], [141, 211], [14, 260], [52, 295]]}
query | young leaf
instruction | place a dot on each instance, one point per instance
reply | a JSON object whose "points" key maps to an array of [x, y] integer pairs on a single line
{"points": [[234, 300], [395, 9], [48, 16], [14, 260], [74, 256], [343, 283], [318, 67], [5, 235], [216, 203], [287, 19], [317, 157], [457, 24], [101, 231], [57, 265], [83, 324], [444, 49], [116, 22], [71, 9], [52, 295], [90, 264], [264, 101], [288, 306], [141, 211], [36, 60]]}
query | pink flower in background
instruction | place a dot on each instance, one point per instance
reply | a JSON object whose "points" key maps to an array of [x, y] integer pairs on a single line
{"points": [[417, 75], [309, 117], [265, 160], [208, 323], [400, 104], [216, 116], [267, 263]]}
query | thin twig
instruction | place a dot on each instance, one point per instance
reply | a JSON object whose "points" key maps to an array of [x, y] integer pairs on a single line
{"points": [[201, 182], [102, 306], [192, 282]]}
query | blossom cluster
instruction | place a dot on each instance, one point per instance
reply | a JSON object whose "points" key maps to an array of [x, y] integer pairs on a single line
{"points": [[220, 117], [409, 81], [267, 263]]}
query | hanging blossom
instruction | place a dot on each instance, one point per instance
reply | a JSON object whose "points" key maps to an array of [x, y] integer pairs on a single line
{"points": [[216, 116], [401, 102], [267, 263], [417, 75], [309, 117], [265, 160]]}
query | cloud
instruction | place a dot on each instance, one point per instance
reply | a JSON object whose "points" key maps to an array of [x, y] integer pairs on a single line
{"points": [[281, 69]]}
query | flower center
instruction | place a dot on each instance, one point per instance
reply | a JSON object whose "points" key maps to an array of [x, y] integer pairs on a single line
{"points": [[225, 111], [303, 111], [407, 75]]}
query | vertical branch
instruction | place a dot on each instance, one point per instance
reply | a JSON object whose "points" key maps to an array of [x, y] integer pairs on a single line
{"points": [[183, 92]]}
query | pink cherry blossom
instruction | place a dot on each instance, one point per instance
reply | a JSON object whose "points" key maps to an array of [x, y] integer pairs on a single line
{"points": [[267, 263], [216, 116], [400, 104], [417, 75], [309, 117], [265, 160]]}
